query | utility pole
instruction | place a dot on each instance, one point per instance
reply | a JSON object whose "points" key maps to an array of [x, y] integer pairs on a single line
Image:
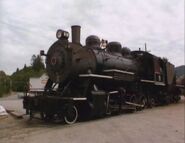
{"points": [[145, 48]]}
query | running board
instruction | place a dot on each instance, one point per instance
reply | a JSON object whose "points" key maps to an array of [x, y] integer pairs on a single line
{"points": [[123, 107], [102, 92], [134, 104], [99, 92]]}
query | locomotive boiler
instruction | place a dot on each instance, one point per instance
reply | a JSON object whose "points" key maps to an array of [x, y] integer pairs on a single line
{"points": [[91, 81], [66, 59]]}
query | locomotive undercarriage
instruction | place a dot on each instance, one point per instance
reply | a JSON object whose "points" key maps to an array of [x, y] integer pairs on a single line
{"points": [[95, 96], [89, 97]]}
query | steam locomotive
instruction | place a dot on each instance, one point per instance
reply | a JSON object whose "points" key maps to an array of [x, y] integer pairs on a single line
{"points": [[91, 81]]}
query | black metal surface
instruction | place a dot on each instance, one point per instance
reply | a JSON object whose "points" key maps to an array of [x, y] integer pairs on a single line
{"points": [[75, 30], [114, 47], [58, 61], [64, 61], [93, 42]]}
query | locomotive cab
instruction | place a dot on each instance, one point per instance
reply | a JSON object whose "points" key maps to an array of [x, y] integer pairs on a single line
{"points": [[146, 64], [151, 67]]}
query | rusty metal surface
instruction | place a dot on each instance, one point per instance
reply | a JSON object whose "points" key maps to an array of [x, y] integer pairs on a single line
{"points": [[75, 30], [170, 73]]}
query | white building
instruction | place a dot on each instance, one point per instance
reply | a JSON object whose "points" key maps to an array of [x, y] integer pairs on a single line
{"points": [[37, 84]]}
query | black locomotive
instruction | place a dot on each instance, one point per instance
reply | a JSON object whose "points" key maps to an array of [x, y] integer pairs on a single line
{"points": [[91, 81]]}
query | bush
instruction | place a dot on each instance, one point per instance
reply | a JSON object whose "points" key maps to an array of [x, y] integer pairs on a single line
{"points": [[4, 84], [21, 77]]}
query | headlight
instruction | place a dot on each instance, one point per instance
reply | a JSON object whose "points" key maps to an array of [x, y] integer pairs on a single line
{"points": [[62, 34]]}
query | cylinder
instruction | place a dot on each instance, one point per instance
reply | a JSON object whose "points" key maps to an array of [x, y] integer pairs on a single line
{"points": [[75, 30]]}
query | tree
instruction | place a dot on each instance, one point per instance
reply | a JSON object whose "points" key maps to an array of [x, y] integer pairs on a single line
{"points": [[25, 66], [20, 78], [33, 58], [17, 70], [2, 74], [4, 83], [37, 63]]}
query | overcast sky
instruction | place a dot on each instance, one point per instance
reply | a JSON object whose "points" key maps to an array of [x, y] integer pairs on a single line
{"points": [[28, 26]]}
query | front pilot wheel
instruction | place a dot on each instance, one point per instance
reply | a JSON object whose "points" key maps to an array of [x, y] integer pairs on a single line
{"points": [[71, 114]]}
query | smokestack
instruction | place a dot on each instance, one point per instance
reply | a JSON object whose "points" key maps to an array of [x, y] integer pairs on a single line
{"points": [[75, 30]]}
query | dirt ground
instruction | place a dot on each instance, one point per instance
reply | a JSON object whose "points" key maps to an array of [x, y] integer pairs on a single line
{"points": [[163, 124]]}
